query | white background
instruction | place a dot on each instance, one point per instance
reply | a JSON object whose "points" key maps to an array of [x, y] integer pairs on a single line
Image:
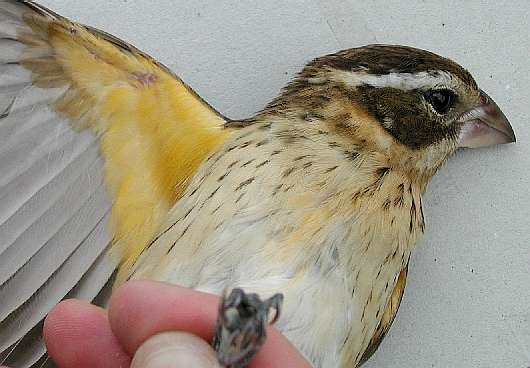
{"points": [[467, 302]]}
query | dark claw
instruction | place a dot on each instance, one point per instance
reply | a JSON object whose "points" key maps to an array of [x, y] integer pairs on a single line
{"points": [[275, 302], [241, 326]]}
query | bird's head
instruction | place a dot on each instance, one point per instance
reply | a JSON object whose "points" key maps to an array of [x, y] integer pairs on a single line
{"points": [[418, 105]]}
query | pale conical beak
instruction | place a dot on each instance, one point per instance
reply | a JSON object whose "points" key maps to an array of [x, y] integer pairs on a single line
{"points": [[484, 125]]}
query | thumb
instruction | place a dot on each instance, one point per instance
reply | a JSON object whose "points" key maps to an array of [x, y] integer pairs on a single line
{"points": [[175, 350]]}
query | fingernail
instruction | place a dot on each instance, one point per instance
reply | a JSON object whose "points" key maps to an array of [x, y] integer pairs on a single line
{"points": [[175, 350]]}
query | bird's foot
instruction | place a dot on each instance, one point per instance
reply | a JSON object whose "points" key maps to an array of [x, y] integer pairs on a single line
{"points": [[241, 326]]}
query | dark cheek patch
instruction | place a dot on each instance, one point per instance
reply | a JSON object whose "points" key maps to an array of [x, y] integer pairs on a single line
{"points": [[403, 115]]}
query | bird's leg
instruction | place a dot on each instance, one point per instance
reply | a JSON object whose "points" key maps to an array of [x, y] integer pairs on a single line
{"points": [[241, 326]]}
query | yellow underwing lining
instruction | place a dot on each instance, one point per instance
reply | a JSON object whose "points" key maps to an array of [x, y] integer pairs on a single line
{"points": [[154, 131]]}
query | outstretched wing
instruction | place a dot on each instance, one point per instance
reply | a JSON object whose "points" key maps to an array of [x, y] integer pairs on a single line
{"points": [[97, 141], [388, 316]]}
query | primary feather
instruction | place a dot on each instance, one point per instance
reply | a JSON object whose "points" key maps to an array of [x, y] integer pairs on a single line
{"points": [[112, 168], [70, 96], [97, 142]]}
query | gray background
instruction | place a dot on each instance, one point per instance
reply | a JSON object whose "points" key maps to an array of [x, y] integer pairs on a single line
{"points": [[467, 303]]}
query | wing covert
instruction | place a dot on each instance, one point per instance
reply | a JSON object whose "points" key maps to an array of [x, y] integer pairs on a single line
{"points": [[97, 142], [389, 315]]}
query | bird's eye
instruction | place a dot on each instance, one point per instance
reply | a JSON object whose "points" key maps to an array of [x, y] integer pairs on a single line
{"points": [[441, 99]]}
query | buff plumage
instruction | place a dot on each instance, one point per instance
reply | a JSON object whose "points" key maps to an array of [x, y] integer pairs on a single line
{"points": [[317, 196]]}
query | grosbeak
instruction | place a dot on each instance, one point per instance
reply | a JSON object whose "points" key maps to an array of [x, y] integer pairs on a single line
{"points": [[114, 169]]}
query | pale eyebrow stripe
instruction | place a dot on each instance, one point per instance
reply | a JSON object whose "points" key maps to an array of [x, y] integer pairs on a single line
{"points": [[402, 81]]}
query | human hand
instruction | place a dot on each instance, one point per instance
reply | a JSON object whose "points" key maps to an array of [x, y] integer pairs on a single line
{"points": [[149, 325]]}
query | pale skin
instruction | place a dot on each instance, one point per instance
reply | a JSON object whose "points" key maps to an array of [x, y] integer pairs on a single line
{"points": [[81, 335], [318, 196]]}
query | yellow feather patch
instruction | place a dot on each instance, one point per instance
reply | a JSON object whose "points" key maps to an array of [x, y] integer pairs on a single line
{"points": [[154, 131]]}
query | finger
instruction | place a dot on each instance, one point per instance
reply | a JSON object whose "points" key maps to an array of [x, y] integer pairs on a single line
{"points": [[153, 307], [78, 334], [278, 352], [175, 350]]}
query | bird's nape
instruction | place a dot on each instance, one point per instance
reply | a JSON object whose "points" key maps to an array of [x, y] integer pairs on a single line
{"points": [[113, 168]]}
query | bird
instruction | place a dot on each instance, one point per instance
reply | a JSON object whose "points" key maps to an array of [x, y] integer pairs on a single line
{"points": [[114, 169]]}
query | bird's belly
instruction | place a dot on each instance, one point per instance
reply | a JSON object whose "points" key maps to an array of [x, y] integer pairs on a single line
{"points": [[334, 252], [331, 309]]}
